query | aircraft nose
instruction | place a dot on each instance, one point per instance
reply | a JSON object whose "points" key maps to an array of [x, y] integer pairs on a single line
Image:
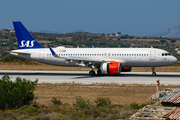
{"points": [[174, 60]]}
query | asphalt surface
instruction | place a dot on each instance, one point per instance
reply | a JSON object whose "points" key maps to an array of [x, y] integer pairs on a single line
{"points": [[165, 78]]}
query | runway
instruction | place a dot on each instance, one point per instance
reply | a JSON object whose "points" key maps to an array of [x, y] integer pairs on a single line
{"points": [[83, 77]]}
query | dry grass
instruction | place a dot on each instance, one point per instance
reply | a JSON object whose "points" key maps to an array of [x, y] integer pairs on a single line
{"points": [[41, 66], [157, 69], [118, 94], [38, 66]]}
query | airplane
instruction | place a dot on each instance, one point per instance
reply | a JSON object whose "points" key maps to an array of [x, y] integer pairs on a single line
{"points": [[108, 61]]}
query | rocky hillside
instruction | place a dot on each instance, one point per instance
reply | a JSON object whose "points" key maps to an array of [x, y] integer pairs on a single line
{"points": [[173, 32]]}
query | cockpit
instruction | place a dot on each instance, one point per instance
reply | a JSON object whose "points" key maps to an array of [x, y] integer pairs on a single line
{"points": [[166, 54]]}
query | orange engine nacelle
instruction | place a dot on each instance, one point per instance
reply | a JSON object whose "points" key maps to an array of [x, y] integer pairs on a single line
{"points": [[126, 69], [110, 68]]}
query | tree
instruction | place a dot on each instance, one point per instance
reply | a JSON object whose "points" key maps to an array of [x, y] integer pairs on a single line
{"points": [[113, 34], [162, 41], [119, 33], [16, 94], [103, 34]]}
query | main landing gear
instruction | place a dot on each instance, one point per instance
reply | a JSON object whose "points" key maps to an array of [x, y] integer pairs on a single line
{"points": [[92, 72], [153, 71], [99, 72]]}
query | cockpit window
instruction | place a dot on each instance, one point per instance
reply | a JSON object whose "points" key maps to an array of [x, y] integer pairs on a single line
{"points": [[166, 54]]}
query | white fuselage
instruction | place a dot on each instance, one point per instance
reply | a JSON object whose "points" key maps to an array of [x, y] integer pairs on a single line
{"points": [[130, 57]]}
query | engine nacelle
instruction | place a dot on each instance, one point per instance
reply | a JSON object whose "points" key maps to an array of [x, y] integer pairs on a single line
{"points": [[110, 68], [126, 69]]}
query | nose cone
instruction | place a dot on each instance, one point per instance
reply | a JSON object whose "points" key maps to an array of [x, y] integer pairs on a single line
{"points": [[174, 60]]}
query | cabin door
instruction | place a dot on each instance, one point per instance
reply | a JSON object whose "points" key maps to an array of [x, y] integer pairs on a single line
{"points": [[153, 55], [41, 55]]}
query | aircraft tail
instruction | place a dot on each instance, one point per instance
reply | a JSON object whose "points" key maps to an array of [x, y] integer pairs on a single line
{"points": [[24, 38]]}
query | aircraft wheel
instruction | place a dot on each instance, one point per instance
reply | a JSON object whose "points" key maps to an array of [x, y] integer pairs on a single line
{"points": [[153, 74], [91, 73], [99, 72]]}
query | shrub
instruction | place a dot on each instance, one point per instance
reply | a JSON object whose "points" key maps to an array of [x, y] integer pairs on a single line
{"points": [[136, 106], [142, 105], [103, 102], [11, 58], [81, 103], [28, 109], [55, 101], [16, 94]]}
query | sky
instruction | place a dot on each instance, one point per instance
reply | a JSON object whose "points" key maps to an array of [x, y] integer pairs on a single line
{"points": [[132, 17]]}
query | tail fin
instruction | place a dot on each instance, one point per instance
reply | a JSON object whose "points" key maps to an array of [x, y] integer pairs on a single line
{"points": [[24, 38]]}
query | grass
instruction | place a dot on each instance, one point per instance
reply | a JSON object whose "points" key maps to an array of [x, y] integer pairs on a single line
{"points": [[41, 66], [118, 94]]}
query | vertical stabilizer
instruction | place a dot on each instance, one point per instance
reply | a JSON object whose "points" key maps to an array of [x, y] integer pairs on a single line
{"points": [[24, 38]]}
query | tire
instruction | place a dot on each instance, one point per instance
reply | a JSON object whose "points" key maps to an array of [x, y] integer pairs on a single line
{"points": [[99, 72], [91, 73], [153, 74]]}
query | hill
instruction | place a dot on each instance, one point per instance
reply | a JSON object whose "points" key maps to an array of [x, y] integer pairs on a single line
{"points": [[173, 32]]}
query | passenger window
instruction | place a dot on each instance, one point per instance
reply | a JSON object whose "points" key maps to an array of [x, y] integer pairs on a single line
{"points": [[92, 54], [134, 54], [139, 54], [122, 54], [166, 54], [147, 54], [112, 54], [144, 54], [119, 54], [129, 54]]}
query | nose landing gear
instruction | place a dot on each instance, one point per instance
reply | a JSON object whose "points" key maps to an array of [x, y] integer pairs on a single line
{"points": [[153, 71], [91, 73]]}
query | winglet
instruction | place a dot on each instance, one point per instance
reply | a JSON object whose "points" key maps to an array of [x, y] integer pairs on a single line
{"points": [[92, 46], [52, 51]]}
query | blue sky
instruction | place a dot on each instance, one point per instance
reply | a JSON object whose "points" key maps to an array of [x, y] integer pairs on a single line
{"points": [[133, 17]]}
